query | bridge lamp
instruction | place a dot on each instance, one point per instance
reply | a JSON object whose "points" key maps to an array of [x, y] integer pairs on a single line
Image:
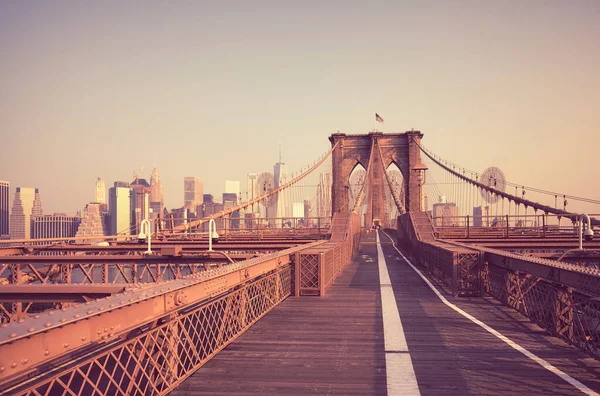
{"points": [[146, 234], [588, 233], [420, 169]]}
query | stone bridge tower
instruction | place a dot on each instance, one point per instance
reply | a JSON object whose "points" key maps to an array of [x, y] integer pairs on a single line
{"points": [[398, 148]]}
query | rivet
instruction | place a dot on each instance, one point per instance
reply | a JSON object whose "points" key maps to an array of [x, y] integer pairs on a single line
{"points": [[2, 368], [48, 324], [121, 302], [13, 365], [46, 352], [101, 309], [24, 361], [21, 320], [105, 329], [110, 334], [75, 305], [77, 316], [37, 316], [131, 300], [111, 305], [64, 309], [89, 312], [98, 331], [112, 327], [83, 338], [87, 303], [13, 335], [63, 320], [4, 325], [31, 329], [66, 345], [104, 337], [51, 313]]}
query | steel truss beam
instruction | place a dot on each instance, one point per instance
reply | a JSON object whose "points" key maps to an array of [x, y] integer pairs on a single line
{"points": [[28, 345]]}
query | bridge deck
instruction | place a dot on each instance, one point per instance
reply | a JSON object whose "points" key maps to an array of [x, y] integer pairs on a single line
{"points": [[334, 345]]}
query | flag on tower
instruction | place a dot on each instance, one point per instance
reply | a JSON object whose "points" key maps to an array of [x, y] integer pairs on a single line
{"points": [[378, 118]]}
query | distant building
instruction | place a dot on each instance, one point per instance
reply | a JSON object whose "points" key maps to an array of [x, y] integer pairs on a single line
{"points": [[140, 203], [252, 186], [4, 211], [230, 201], [27, 203], [281, 201], [323, 208], [92, 223], [207, 198], [307, 209], [212, 208], [120, 209], [192, 192], [445, 214], [477, 216], [230, 198], [58, 225], [156, 195], [298, 210], [100, 191]]}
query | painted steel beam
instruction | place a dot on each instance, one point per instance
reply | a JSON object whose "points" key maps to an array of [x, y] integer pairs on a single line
{"points": [[56, 292], [55, 334], [586, 280]]}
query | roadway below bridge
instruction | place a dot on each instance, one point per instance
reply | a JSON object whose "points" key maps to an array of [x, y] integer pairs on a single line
{"points": [[431, 344]]}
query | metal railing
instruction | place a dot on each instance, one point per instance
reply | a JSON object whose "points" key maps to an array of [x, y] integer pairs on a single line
{"points": [[145, 340]]}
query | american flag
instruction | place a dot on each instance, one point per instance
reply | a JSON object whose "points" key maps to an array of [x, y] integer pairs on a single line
{"points": [[378, 118]]}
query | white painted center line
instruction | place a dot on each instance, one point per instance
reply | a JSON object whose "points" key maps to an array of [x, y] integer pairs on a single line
{"points": [[400, 374], [578, 385]]}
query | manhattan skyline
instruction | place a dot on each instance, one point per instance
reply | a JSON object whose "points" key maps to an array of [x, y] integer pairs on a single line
{"points": [[209, 90]]}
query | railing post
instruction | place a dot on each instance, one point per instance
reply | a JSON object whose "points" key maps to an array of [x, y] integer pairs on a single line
{"points": [[563, 309], [507, 226], [544, 226], [322, 280], [297, 274], [468, 227]]}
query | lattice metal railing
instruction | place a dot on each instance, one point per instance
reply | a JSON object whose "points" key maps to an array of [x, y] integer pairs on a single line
{"points": [[565, 313], [154, 359], [316, 269]]}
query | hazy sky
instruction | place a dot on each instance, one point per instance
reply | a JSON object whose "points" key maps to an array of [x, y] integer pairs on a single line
{"points": [[208, 89]]}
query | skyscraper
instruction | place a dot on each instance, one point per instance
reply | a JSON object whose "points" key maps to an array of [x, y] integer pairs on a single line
{"points": [[140, 203], [92, 223], [120, 209], [156, 195], [100, 191], [156, 190], [192, 192], [27, 203], [280, 171], [324, 195], [58, 225], [445, 214], [4, 213], [252, 190]]}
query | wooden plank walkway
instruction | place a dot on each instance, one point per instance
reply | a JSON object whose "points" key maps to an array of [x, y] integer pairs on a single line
{"points": [[334, 345]]}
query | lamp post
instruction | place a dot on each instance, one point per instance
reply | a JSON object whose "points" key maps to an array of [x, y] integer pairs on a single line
{"points": [[146, 233], [588, 233]]}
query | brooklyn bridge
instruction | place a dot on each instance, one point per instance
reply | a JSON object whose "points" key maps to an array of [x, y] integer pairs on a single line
{"points": [[416, 276]]}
